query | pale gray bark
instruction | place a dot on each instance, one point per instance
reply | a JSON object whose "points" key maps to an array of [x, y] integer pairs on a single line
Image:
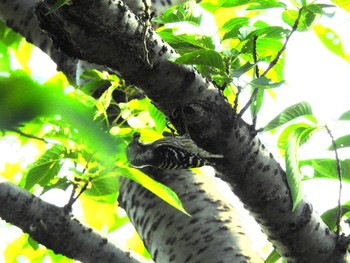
{"points": [[213, 233], [55, 228]]}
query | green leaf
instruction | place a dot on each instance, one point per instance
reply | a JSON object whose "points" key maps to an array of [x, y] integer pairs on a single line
{"points": [[330, 216], [202, 57], [265, 4], [266, 48], [19, 105], [158, 117], [259, 100], [274, 32], [266, 83], [5, 63], [237, 72], [327, 168], [181, 13], [345, 116], [273, 257], [185, 43], [34, 244], [104, 188], [292, 167], [291, 113], [162, 191], [330, 40], [345, 4], [233, 27], [234, 3], [305, 21], [8, 37], [58, 5], [341, 142], [46, 167], [308, 131]]}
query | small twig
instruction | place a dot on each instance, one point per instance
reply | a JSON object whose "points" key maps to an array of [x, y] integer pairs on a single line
{"points": [[275, 60], [255, 57], [271, 65], [257, 75], [235, 103], [340, 176], [72, 199], [28, 135], [246, 106], [147, 19]]}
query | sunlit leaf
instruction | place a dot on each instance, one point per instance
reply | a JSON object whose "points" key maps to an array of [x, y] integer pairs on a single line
{"points": [[181, 13], [305, 21], [274, 32], [331, 215], [158, 117], [8, 37], [100, 215], [308, 131], [341, 142], [327, 168], [259, 100], [185, 43], [202, 57], [103, 184], [233, 27], [291, 113], [265, 4], [273, 257], [19, 105], [345, 116], [345, 4], [234, 3], [330, 39], [45, 168], [292, 167], [264, 82], [137, 245], [153, 186]]}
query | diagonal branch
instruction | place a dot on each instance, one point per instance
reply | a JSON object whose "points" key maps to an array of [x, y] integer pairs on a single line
{"points": [[56, 229]]}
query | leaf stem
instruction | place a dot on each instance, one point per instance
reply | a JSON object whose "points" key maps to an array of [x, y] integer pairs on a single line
{"points": [[275, 60], [340, 176]]}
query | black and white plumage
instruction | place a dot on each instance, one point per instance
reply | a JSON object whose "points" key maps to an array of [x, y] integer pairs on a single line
{"points": [[168, 153]]}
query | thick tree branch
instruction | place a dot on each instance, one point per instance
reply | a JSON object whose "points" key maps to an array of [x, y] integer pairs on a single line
{"points": [[111, 35], [215, 232], [56, 229]]}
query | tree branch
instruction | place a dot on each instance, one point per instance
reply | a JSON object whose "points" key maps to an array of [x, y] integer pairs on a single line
{"points": [[56, 229], [215, 230]]}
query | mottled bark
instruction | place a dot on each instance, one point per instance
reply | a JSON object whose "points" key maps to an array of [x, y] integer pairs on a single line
{"points": [[255, 176], [55, 228], [213, 233]]}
